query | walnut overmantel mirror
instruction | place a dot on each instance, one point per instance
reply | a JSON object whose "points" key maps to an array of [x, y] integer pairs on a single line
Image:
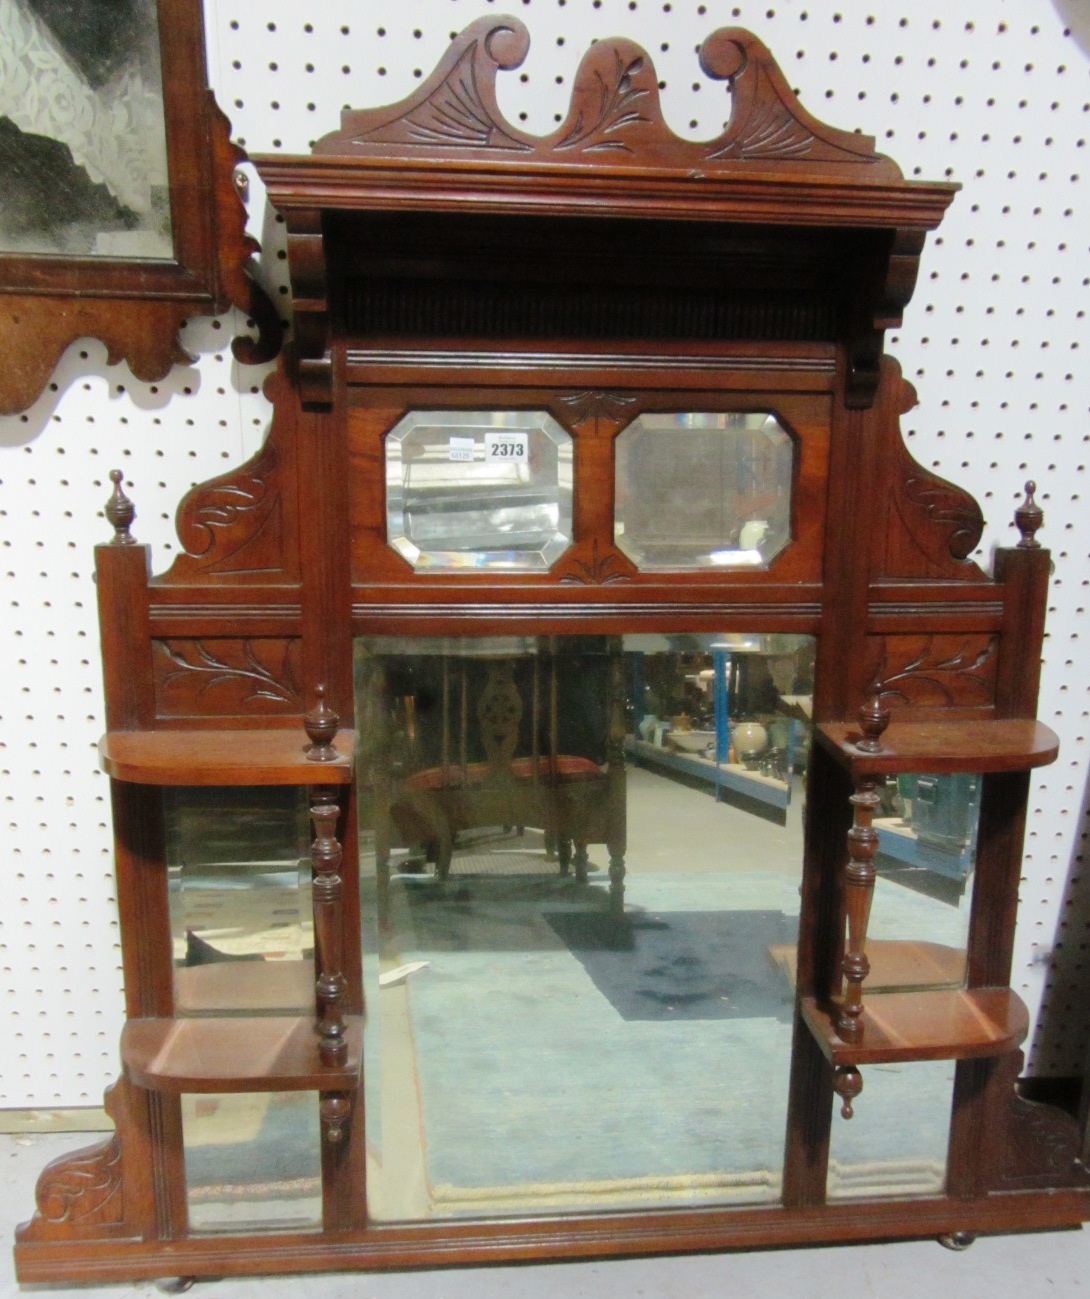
{"points": [[569, 793]]}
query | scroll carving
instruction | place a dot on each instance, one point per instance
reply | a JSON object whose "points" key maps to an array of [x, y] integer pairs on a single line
{"points": [[83, 1195], [767, 121], [940, 670], [83, 1188], [207, 678], [614, 117], [232, 524], [459, 108], [1042, 1142], [934, 525]]}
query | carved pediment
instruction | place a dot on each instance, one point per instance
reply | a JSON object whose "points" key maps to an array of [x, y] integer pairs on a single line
{"points": [[614, 118]]}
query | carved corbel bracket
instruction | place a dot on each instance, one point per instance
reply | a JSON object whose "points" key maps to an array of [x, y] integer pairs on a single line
{"points": [[882, 300], [98, 1192], [932, 526], [313, 355]]}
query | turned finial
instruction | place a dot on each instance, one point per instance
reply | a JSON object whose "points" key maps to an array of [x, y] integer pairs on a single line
{"points": [[847, 1083], [873, 718], [335, 1112], [120, 511], [1029, 516], [321, 726]]}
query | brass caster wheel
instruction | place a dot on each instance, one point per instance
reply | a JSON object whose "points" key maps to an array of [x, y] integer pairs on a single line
{"points": [[957, 1240]]}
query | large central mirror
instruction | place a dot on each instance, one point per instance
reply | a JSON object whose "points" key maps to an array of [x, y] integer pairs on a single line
{"points": [[581, 863], [580, 860]]}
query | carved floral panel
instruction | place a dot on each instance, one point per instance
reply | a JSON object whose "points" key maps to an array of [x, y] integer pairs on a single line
{"points": [[944, 670], [216, 676]]}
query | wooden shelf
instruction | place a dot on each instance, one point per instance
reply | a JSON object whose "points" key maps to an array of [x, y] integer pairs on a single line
{"points": [[942, 748], [927, 1025], [223, 757], [236, 1054]]}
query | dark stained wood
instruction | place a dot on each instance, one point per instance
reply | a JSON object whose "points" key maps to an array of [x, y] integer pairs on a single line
{"points": [[219, 676], [942, 747], [327, 888], [447, 148], [859, 876], [121, 578], [236, 1054], [205, 757], [136, 307], [384, 1246], [926, 1025]]}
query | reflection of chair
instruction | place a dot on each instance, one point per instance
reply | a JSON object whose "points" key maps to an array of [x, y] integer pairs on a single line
{"points": [[532, 740]]}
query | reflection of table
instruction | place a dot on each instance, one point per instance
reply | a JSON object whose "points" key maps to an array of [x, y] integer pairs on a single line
{"points": [[768, 794]]}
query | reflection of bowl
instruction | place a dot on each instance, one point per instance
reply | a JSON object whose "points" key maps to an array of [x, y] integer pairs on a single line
{"points": [[692, 741], [748, 738]]}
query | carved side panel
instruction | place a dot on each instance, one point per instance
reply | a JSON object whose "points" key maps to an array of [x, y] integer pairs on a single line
{"points": [[231, 524], [82, 1189], [99, 1192], [932, 525], [219, 676], [1042, 1143], [941, 670]]}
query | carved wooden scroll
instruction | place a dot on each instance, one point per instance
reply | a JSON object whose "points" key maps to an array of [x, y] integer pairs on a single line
{"points": [[614, 120], [241, 526], [448, 148], [932, 525]]}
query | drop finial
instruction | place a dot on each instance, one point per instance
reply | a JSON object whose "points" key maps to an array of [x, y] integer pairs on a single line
{"points": [[1028, 517], [120, 511]]}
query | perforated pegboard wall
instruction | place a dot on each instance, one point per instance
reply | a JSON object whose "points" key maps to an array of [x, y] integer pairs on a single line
{"points": [[995, 95]]}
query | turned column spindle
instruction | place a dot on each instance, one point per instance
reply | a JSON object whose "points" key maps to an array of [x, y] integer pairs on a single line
{"points": [[859, 877], [325, 855]]}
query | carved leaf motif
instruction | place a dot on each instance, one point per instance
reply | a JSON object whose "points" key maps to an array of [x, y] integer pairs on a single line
{"points": [[948, 506], [235, 664], [773, 132], [616, 110], [937, 669], [454, 116], [230, 523], [613, 405], [600, 571], [84, 1184]]}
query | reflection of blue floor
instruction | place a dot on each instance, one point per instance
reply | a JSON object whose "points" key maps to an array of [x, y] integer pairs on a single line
{"points": [[550, 1053], [676, 965]]}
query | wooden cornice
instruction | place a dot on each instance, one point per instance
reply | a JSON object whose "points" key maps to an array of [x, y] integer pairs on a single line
{"points": [[448, 149]]}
